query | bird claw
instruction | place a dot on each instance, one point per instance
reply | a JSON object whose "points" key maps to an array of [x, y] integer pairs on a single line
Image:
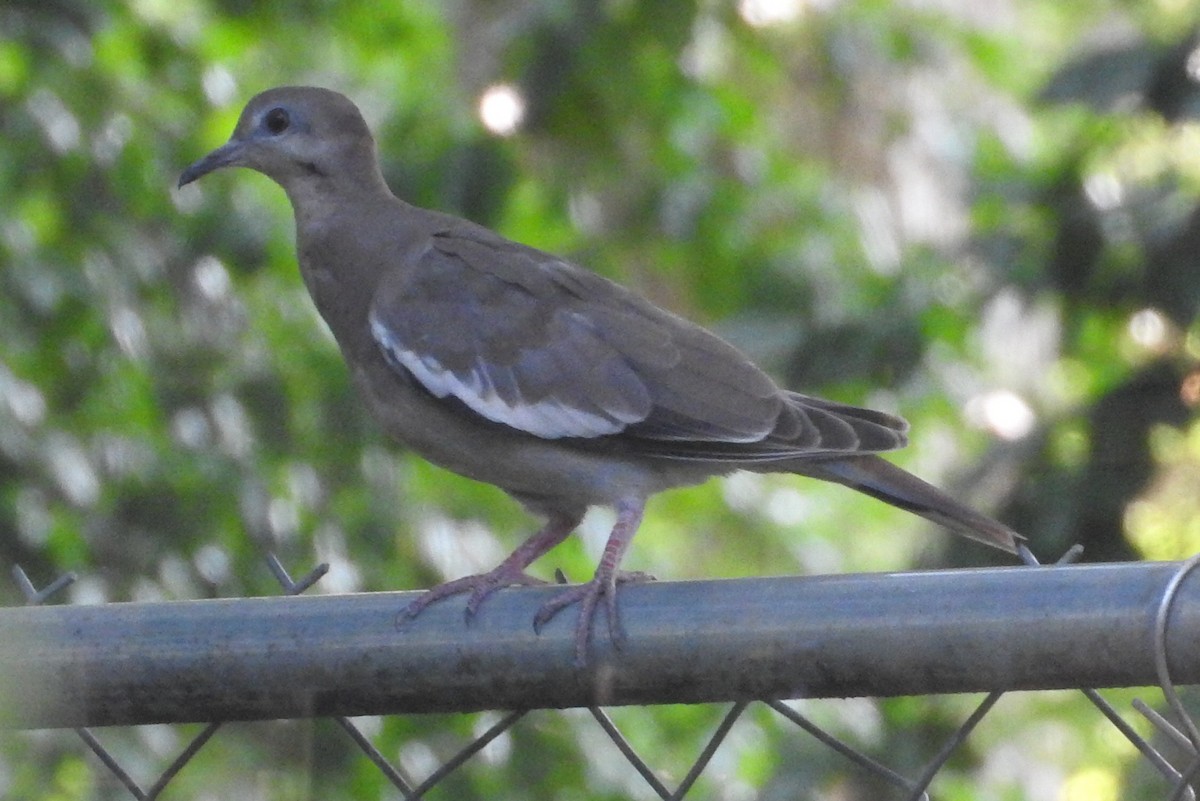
{"points": [[480, 587], [588, 597]]}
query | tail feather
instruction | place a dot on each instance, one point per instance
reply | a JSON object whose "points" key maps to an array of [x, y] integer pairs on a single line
{"points": [[883, 480]]}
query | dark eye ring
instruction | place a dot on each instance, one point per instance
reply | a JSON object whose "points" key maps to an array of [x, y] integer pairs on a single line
{"points": [[277, 120]]}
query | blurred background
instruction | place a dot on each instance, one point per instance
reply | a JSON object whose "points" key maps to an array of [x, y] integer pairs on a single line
{"points": [[984, 216]]}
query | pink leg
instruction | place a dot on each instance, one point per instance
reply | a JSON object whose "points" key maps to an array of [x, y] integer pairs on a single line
{"points": [[508, 573], [603, 584]]}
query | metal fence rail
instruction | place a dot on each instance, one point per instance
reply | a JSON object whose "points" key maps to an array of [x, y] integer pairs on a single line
{"points": [[881, 634], [734, 640]]}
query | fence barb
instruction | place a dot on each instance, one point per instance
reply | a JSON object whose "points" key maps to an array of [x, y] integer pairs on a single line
{"points": [[1163, 725], [849, 752], [290, 585], [947, 750], [627, 750], [1147, 750], [390, 771], [475, 746], [34, 596], [710, 748]]}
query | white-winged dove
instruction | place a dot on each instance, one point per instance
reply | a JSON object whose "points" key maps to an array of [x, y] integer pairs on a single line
{"points": [[517, 368]]}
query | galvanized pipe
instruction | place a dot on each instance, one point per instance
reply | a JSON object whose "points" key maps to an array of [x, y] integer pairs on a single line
{"points": [[771, 638]]}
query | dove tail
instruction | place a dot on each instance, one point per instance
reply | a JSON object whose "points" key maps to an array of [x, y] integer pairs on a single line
{"points": [[883, 480]]}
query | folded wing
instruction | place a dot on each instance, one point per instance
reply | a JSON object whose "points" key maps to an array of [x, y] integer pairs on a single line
{"points": [[532, 342]]}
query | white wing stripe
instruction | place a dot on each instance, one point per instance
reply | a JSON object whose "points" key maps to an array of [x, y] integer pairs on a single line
{"points": [[548, 418]]}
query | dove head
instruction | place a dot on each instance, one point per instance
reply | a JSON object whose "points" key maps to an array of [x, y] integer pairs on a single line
{"points": [[304, 138]]}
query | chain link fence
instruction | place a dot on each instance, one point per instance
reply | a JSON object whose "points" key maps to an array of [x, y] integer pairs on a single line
{"points": [[742, 642]]}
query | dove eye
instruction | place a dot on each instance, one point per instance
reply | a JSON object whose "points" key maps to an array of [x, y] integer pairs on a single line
{"points": [[277, 121]]}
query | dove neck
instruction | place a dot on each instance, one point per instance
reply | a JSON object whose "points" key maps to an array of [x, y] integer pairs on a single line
{"points": [[345, 245]]}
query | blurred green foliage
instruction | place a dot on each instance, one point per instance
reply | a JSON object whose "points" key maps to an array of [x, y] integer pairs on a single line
{"points": [[983, 217]]}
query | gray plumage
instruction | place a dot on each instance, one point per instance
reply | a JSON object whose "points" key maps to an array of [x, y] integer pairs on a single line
{"points": [[517, 368]]}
